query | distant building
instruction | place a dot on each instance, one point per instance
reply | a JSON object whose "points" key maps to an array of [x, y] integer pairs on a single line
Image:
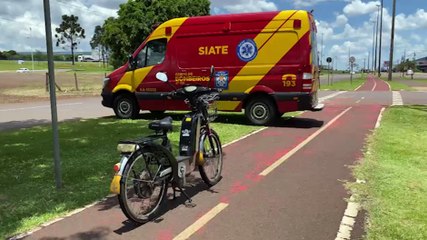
{"points": [[421, 64]]}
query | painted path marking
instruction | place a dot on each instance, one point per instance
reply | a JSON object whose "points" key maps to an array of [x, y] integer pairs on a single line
{"points": [[281, 160], [201, 222]]}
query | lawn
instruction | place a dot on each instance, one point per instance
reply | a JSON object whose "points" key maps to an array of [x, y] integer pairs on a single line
{"points": [[397, 86], [344, 85], [28, 196], [395, 171]]}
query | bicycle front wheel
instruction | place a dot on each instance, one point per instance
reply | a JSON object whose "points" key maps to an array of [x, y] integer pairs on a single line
{"points": [[211, 169], [142, 190]]}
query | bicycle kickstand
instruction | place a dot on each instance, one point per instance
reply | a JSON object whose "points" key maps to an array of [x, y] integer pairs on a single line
{"points": [[189, 202]]}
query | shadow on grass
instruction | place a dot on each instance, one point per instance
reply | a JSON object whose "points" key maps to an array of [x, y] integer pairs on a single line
{"points": [[418, 107]]}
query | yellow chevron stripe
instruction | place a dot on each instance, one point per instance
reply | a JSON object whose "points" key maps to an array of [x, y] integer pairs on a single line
{"points": [[135, 78], [274, 45]]}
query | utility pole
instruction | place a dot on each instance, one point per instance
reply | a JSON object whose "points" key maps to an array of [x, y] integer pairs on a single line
{"points": [[369, 56], [376, 38], [373, 45], [381, 39], [390, 69], [32, 55]]}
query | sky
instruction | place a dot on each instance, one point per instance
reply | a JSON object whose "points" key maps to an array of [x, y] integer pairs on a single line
{"points": [[345, 27]]}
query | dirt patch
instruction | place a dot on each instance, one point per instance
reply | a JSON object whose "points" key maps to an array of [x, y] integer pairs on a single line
{"points": [[30, 87], [423, 89]]}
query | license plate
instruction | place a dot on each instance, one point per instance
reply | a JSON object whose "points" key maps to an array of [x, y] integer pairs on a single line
{"points": [[115, 184]]}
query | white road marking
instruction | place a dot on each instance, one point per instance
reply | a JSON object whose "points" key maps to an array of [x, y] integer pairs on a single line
{"points": [[250, 134], [39, 107], [353, 207], [301, 145], [201, 222], [375, 85], [397, 99], [348, 220], [389, 87], [377, 124], [358, 101], [322, 99]]}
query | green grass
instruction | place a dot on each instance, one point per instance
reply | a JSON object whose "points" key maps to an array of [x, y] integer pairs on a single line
{"points": [[28, 196], [42, 65], [395, 171], [397, 86], [344, 85]]}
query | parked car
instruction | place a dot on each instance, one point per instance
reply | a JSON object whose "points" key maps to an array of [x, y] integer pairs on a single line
{"points": [[23, 70]]}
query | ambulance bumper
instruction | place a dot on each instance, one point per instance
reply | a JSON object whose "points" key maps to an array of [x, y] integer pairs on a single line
{"points": [[107, 99]]}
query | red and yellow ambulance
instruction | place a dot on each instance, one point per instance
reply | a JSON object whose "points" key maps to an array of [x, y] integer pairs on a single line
{"points": [[266, 64]]}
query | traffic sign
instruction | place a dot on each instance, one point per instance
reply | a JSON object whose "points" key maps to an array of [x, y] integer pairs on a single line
{"points": [[329, 59]]}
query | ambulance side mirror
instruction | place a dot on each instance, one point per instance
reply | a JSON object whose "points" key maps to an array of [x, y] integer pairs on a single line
{"points": [[212, 72], [161, 76], [131, 63]]}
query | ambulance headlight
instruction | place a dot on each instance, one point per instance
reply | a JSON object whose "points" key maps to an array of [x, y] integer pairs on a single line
{"points": [[105, 82]]}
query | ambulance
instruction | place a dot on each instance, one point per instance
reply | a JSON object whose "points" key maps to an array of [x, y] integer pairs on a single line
{"points": [[266, 65]]}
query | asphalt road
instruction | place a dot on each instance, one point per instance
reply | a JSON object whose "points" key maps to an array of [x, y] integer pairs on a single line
{"points": [[284, 182], [29, 114]]}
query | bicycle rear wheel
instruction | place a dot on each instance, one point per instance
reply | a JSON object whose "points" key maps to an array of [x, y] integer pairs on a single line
{"points": [[211, 170], [142, 190]]}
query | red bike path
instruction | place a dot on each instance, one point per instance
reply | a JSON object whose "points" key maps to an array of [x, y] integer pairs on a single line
{"points": [[303, 198]]}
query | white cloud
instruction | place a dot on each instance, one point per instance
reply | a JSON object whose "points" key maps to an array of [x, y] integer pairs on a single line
{"points": [[16, 33], [418, 20], [340, 21], [241, 6], [310, 3], [357, 7]]}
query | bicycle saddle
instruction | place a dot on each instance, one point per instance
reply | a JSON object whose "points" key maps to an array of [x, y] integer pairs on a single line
{"points": [[164, 124]]}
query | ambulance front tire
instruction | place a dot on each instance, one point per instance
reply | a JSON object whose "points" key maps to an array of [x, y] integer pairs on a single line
{"points": [[125, 106], [261, 111]]}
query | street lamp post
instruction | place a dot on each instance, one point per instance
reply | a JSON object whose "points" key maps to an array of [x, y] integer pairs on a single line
{"points": [[390, 68], [32, 55], [381, 38], [376, 39], [373, 45]]}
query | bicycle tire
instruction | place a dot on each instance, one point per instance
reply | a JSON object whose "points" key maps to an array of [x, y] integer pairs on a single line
{"points": [[212, 156], [137, 188]]}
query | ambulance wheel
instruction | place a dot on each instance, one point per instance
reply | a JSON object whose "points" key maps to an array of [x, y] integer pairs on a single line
{"points": [[125, 106], [260, 111]]}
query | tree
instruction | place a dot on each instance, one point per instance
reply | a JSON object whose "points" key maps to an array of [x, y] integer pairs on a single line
{"points": [[405, 65], [97, 42], [136, 19], [69, 33]]}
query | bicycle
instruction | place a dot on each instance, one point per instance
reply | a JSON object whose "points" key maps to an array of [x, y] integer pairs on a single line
{"points": [[147, 166]]}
